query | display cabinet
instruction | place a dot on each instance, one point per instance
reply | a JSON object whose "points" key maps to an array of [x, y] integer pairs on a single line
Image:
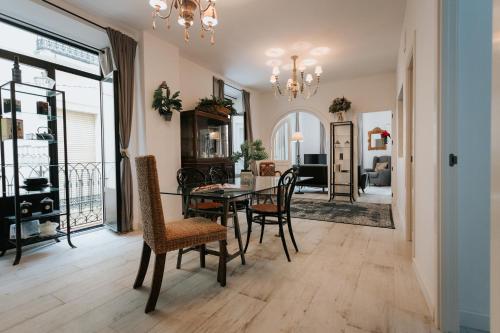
{"points": [[206, 140], [341, 160], [34, 205]]}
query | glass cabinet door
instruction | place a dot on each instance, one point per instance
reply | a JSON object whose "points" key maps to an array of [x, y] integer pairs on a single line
{"points": [[213, 138]]}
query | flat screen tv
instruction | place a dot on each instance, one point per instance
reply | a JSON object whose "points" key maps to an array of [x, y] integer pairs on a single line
{"points": [[315, 159]]}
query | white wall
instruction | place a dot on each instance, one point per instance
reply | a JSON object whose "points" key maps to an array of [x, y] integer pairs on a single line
{"points": [[420, 28], [371, 120]]}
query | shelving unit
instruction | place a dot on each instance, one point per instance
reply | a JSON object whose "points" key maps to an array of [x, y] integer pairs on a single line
{"points": [[53, 161], [341, 160]]}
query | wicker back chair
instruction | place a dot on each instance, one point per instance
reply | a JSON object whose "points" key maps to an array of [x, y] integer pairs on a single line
{"points": [[162, 238]]}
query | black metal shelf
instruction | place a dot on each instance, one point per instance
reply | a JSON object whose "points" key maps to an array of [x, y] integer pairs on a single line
{"points": [[37, 216], [38, 239], [335, 143], [11, 204]]}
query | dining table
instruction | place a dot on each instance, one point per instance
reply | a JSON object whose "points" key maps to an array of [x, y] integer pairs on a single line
{"points": [[234, 190]]}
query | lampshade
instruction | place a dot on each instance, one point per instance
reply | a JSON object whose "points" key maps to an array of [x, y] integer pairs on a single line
{"points": [[160, 4], [214, 136], [297, 137]]}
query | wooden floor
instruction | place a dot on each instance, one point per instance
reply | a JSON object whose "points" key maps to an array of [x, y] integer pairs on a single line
{"points": [[345, 278]]}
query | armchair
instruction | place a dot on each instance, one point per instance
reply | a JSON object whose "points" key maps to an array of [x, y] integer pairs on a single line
{"points": [[381, 177]]}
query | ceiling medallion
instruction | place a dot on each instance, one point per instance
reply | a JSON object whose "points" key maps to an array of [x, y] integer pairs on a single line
{"points": [[294, 85], [187, 11]]}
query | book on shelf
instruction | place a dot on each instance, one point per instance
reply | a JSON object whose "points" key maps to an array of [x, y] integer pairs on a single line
{"points": [[6, 125]]}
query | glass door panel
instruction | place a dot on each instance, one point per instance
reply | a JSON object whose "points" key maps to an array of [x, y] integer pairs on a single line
{"points": [[109, 155]]}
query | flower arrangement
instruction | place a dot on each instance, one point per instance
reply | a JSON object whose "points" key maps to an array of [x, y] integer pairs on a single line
{"points": [[385, 136], [340, 104], [250, 151], [164, 103]]}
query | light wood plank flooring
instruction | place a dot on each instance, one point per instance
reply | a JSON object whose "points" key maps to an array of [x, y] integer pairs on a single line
{"points": [[345, 278]]}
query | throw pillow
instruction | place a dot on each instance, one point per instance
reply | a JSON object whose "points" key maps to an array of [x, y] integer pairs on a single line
{"points": [[381, 166]]}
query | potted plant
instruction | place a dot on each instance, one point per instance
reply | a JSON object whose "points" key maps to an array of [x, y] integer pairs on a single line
{"points": [[223, 106], [164, 103], [250, 151], [385, 135], [339, 106]]}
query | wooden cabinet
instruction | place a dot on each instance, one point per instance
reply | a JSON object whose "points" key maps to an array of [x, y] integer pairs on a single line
{"points": [[206, 141]]}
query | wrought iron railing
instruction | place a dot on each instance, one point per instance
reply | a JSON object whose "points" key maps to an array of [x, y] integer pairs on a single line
{"points": [[85, 189]]}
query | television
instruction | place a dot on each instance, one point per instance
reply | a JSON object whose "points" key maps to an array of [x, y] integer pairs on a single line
{"points": [[315, 159]]}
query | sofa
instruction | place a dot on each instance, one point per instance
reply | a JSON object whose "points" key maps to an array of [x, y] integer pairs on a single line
{"points": [[318, 172], [380, 177]]}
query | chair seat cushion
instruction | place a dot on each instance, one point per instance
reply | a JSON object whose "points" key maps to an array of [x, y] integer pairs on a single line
{"points": [[207, 205], [192, 232], [265, 208]]}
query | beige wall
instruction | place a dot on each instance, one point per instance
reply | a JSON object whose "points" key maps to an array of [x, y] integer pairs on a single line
{"points": [[421, 29]]}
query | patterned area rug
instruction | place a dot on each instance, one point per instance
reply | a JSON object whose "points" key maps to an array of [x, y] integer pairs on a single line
{"points": [[360, 213]]}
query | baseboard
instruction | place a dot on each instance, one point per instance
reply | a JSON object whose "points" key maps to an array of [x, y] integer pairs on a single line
{"points": [[475, 320], [425, 291]]}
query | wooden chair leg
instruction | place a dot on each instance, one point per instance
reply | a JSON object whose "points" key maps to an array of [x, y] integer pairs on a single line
{"points": [[221, 273], [143, 266], [179, 259], [262, 229], [202, 255], [157, 279], [290, 231], [282, 235]]}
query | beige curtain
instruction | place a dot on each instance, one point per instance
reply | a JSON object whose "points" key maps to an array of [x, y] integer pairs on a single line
{"points": [[124, 49]]}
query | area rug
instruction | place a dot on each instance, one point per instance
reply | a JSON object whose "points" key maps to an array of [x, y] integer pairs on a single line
{"points": [[359, 213]]}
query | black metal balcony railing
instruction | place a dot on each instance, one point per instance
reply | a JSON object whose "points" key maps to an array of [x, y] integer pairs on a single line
{"points": [[85, 190]]}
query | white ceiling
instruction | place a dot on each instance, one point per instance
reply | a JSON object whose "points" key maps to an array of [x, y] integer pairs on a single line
{"points": [[363, 35]]}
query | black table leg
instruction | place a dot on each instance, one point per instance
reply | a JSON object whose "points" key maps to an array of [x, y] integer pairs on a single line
{"points": [[238, 233]]}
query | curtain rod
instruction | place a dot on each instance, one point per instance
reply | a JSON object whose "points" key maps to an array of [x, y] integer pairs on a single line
{"points": [[74, 14]]}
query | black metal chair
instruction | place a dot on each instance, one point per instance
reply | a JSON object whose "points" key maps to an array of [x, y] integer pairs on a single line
{"points": [[280, 211], [188, 178]]}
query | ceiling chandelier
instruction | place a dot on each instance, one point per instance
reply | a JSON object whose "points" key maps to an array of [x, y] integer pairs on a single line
{"points": [[294, 85], [187, 11]]}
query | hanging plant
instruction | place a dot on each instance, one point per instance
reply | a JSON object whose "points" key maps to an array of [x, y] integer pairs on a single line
{"points": [[164, 103]]}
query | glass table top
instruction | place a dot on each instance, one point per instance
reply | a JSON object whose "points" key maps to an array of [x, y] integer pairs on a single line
{"points": [[233, 189]]}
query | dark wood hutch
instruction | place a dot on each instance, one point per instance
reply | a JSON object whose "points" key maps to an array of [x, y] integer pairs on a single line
{"points": [[206, 140]]}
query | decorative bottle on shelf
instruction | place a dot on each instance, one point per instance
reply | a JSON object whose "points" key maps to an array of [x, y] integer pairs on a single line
{"points": [[16, 71]]}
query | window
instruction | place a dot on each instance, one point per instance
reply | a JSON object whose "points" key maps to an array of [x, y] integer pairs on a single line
{"points": [[37, 46], [237, 122], [311, 128]]}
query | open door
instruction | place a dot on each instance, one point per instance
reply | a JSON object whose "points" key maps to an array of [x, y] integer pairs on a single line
{"points": [[110, 155]]}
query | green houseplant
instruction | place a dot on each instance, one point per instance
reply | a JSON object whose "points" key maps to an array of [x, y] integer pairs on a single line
{"points": [[217, 105], [164, 103], [250, 151], [339, 106]]}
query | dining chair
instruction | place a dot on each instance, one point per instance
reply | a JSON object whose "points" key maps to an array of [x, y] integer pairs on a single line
{"points": [[162, 238], [267, 169], [188, 177], [280, 212]]}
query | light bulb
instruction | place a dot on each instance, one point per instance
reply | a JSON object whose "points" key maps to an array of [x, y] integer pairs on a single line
{"points": [[309, 78], [276, 70], [183, 22], [272, 79], [210, 17], [318, 70], [158, 4]]}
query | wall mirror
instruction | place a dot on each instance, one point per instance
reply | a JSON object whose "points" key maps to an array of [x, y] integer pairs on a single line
{"points": [[375, 140]]}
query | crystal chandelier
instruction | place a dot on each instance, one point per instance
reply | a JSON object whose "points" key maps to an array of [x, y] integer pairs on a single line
{"points": [[187, 11], [294, 85]]}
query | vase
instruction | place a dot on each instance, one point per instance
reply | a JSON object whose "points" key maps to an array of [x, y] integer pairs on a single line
{"points": [[246, 177], [340, 116], [167, 114]]}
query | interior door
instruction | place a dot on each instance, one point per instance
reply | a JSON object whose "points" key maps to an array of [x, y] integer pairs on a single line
{"points": [[110, 154]]}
